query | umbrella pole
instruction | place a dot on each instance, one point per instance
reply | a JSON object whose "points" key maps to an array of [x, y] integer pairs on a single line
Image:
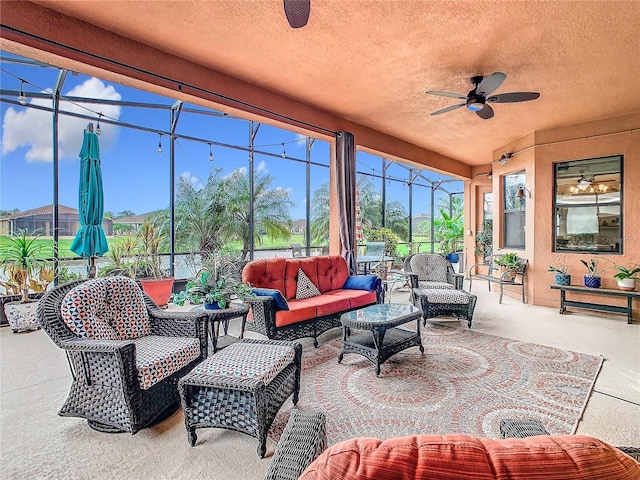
{"points": [[92, 267]]}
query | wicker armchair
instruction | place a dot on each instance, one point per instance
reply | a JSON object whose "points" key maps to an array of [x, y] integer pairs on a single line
{"points": [[431, 270], [124, 373]]}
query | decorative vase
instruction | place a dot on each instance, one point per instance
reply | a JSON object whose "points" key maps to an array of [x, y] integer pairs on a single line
{"points": [[563, 279], [159, 289], [211, 306], [628, 284], [592, 282]]}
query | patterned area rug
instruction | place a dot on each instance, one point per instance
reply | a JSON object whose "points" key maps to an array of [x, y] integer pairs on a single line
{"points": [[465, 382]]}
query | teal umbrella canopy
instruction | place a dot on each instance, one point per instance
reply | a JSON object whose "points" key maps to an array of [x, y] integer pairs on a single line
{"points": [[90, 241]]}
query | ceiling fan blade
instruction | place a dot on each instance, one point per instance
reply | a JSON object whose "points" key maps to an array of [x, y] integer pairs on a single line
{"points": [[447, 94], [297, 12], [448, 109], [513, 97], [490, 83], [486, 112]]}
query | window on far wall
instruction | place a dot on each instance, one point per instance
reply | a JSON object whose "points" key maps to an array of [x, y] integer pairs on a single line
{"points": [[514, 216], [588, 205]]}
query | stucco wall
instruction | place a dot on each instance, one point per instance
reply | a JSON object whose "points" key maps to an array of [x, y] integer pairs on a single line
{"points": [[536, 154]]}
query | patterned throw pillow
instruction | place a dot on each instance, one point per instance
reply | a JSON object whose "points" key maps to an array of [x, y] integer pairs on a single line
{"points": [[305, 288]]}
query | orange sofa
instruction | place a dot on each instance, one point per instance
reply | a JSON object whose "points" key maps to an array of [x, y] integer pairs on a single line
{"points": [[307, 317]]}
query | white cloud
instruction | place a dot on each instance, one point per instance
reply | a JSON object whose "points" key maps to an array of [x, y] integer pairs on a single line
{"points": [[192, 179], [262, 167], [33, 129]]}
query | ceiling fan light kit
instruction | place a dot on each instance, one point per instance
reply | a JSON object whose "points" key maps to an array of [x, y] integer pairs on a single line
{"points": [[477, 98]]}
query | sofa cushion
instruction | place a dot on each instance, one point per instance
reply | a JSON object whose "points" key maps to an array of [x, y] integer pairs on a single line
{"points": [[158, 357], [452, 457], [305, 288], [298, 312], [278, 298], [361, 282], [326, 304], [266, 273], [332, 272], [357, 298]]}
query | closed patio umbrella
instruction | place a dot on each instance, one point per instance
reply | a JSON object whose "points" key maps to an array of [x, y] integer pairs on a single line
{"points": [[90, 240]]}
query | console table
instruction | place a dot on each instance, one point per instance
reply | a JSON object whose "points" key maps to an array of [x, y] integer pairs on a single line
{"points": [[564, 303]]}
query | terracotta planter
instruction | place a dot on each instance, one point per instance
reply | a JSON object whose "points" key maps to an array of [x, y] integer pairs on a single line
{"points": [[159, 289], [21, 316]]}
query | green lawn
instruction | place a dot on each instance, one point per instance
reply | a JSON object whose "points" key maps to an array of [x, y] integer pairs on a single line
{"points": [[65, 244]]}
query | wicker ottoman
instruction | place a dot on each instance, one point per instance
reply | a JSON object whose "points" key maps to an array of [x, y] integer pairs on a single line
{"points": [[437, 302], [241, 388]]}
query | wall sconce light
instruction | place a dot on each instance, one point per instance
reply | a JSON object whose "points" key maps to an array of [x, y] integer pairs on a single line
{"points": [[520, 193], [505, 157]]}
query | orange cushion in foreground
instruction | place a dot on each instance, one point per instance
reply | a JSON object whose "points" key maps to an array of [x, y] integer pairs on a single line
{"points": [[456, 457]]}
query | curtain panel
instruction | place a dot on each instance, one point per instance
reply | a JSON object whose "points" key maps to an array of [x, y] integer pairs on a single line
{"points": [[346, 178]]}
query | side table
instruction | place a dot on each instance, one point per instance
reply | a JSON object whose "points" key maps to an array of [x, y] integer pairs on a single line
{"points": [[223, 315]]}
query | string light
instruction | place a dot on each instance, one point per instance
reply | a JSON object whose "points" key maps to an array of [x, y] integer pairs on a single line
{"points": [[22, 99], [98, 129], [284, 152], [160, 144], [210, 154]]}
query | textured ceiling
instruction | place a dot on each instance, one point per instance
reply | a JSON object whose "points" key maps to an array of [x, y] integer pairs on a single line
{"points": [[371, 61]]}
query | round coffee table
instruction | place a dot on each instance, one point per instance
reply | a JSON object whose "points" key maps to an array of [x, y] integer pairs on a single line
{"points": [[383, 339]]}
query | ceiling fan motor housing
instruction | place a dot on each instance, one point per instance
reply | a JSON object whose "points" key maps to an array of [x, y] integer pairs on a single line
{"points": [[475, 103]]}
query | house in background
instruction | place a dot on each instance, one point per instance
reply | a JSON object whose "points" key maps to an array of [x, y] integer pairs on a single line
{"points": [[125, 225], [41, 219]]}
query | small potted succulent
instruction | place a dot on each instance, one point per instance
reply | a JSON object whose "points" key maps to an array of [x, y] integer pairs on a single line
{"points": [[592, 278], [562, 276], [627, 276]]}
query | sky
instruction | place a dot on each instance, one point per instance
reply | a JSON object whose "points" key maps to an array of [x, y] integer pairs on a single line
{"points": [[135, 174]]}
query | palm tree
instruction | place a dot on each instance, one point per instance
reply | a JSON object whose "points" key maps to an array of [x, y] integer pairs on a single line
{"points": [[270, 208], [320, 215]]}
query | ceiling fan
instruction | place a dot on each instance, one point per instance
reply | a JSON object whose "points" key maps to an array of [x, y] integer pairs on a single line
{"points": [[297, 12], [477, 99]]}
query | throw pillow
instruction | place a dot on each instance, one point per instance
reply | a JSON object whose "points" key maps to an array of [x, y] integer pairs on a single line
{"points": [[305, 288], [281, 302], [361, 282]]}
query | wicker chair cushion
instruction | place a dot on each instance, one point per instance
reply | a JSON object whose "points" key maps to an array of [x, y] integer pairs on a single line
{"points": [[429, 285], [305, 288], [110, 308], [248, 360], [431, 267], [446, 296], [158, 357]]}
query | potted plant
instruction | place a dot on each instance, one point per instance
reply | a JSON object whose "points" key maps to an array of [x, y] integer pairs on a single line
{"points": [[26, 272], [627, 276], [154, 279], [510, 263], [450, 230], [592, 277], [216, 283], [562, 276]]}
